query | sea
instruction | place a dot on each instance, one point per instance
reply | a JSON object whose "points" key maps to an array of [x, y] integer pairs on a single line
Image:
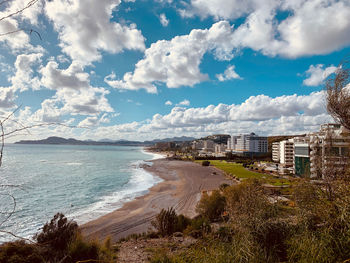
{"points": [[82, 182]]}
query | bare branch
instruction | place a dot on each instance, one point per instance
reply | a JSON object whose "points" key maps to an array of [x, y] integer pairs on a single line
{"points": [[30, 3], [338, 95], [20, 30], [12, 234], [13, 208]]}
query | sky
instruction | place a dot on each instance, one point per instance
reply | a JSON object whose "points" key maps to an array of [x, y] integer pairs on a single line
{"points": [[150, 69]]}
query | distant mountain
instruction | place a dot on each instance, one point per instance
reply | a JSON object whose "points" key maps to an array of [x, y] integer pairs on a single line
{"points": [[70, 141], [173, 139]]}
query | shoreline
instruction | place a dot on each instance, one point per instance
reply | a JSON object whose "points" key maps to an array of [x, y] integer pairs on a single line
{"points": [[181, 187]]}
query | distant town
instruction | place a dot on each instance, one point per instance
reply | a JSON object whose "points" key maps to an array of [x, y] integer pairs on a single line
{"points": [[306, 155]]}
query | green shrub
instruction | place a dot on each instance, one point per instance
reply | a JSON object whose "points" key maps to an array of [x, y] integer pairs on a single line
{"points": [[223, 186], [199, 227], [166, 222], [20, 251], [211, 206], [82, 250], [57, 235], [182, 223], [205, 163]]}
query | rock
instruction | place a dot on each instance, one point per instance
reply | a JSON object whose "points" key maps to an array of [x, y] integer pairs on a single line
{"points": [[178, 234]]}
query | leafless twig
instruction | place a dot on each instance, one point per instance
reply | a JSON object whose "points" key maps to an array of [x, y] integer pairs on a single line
{"points": [[29, 4]]}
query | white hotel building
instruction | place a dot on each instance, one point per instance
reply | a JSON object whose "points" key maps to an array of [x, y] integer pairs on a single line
{"points": [[250, 143]]}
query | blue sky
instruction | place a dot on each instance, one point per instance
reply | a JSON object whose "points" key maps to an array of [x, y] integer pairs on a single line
{"points": [[146, 69]]}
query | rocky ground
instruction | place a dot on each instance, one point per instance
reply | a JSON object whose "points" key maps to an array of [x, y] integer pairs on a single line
{"points": [[142, 249]]}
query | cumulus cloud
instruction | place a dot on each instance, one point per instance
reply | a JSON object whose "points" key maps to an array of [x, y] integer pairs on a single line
{"points": [[262, 114], [219, 9], [74, 95], [14, 34], [293, 114], [301, 33], [94, 121], [184, 103], [23, 78], [163, 20], [317, 74], [85, 29], [176, 62], [229, 73], [7, 97], [168, 102]]}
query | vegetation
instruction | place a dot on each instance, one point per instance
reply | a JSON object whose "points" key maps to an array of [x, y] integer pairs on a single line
{"points": [[239, 171], [59, 241], [205, 163], [168, 222], [315, 229]]}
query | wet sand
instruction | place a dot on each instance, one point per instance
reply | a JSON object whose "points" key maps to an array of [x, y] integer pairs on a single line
{"points": [[181, 189]]}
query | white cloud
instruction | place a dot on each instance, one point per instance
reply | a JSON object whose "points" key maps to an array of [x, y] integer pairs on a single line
{"points": [[94, 121], [7, 97], [301, 33], [228, 74], [168, 102], [317, 74], [85, 29], [262, 114], [184, 103], [220, 9], [163, 20], [176, 62], [73, 77], [14, 29], [23, 78]]}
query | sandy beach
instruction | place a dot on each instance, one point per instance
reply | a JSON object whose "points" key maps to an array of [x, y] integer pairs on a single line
{"points": [[181, 189]]}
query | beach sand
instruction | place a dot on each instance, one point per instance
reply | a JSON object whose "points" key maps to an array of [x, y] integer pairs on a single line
{"points": [[181, 189]]}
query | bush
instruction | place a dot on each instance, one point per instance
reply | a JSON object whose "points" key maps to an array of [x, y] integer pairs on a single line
{"points": [[223, 186], [182, 223], [166, 222], [199, 227], [82, 250], [211, 206], [57, 235], [205, 163], [20, 251]]}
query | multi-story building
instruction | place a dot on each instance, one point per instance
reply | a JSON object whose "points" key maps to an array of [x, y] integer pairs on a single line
{"points": [[197, 145], [283, 153], [301, 164], [322, 153], [220, 148], [329, 150], [250, 143], [208, 146], [276, 152]]}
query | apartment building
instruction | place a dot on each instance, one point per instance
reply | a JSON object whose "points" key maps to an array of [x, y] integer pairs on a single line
{"points": [[301, 160], [283, 153], [276, 152], [329, 150], [250, 143]]}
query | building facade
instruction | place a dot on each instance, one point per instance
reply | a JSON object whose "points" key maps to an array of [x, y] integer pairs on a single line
{"points": [[250, 143]]}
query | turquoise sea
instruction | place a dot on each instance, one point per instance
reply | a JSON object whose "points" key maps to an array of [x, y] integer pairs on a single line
{"points": [[83, 182]]}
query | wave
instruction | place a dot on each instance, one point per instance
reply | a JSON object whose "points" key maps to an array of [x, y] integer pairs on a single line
{"points": [[74, 163], [154, 155], [139, 184]]}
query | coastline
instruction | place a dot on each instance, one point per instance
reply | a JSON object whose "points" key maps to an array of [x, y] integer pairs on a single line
{"points": [[181, 187]]}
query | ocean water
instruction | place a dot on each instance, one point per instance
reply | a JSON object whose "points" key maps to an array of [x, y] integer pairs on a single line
{"points": [[83, 182]]}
